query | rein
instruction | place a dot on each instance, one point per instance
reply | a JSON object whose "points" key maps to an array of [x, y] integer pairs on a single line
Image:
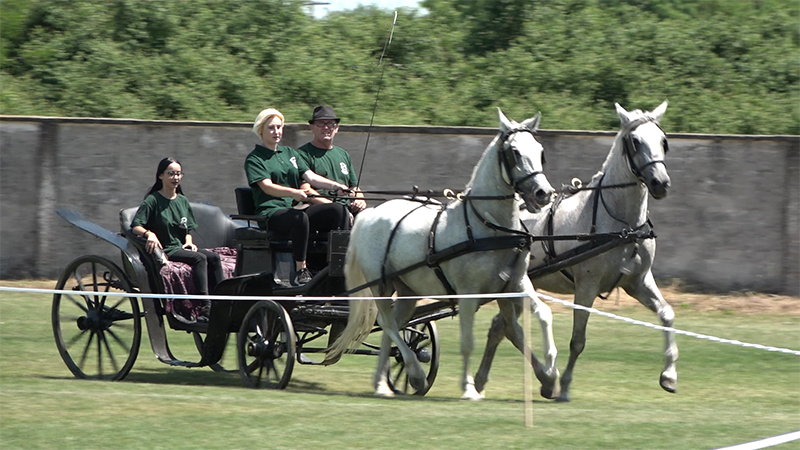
{"points": [[517, 239]]}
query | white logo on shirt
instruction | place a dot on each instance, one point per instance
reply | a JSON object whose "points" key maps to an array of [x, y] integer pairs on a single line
{"points": [[184, 223], [344, 168], [293, 160]]}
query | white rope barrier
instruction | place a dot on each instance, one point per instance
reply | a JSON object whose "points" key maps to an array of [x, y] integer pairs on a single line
{"points": [[439, 297], [674, 330], [764, 443]]}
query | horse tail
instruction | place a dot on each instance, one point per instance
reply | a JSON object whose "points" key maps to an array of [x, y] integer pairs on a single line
{"points": [[362, 315]]}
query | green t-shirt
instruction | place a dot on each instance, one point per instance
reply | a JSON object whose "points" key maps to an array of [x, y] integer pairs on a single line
{"points": [[282, 166], [170, 220], [333, 164]]}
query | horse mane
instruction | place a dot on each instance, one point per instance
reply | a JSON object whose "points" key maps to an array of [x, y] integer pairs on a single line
{"points": [[639, 116], [491, 146]]}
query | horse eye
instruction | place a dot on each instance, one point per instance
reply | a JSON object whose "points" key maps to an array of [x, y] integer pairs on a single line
{"points": [[665, 145], [544, 160]]}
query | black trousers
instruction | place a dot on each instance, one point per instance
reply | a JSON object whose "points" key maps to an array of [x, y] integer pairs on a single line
{"points": [[299, 224], [207, 268]]}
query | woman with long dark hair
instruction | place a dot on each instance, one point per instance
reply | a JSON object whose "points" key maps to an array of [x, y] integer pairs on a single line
{"points": [[165, 219]]}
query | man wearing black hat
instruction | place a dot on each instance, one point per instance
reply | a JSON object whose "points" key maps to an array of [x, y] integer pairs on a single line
{"points": [[328, 160]]}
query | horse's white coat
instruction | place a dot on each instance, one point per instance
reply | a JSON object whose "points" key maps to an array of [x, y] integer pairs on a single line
{"points": [[626, 209], [474, 273]]}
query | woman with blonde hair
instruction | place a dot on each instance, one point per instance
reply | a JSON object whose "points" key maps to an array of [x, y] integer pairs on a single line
{"points": [[275, 173]]}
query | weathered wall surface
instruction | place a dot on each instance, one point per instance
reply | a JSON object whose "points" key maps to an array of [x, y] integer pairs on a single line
{"points": [[731, 221]]}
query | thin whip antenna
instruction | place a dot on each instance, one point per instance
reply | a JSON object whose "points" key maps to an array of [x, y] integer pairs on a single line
{"points": [[377, 96]]}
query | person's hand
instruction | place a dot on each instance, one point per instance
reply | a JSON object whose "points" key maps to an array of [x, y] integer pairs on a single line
{"points": [[358, 205], [342, 190], [190, 247], [300, 195], [152, 243]]}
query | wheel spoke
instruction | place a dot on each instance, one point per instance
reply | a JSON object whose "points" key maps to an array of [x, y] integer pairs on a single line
{"points": [[94, 284], [75, 339], [81, 305], [260, 373], [119, 341], [121, 300], [108, 350], [99, 354], [86, 350]]}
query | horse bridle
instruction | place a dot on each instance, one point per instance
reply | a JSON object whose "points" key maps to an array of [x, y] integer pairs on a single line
{"points": [[510, 159], [629, 147]]}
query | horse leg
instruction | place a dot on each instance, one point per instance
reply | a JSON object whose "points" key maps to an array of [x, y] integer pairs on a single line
{"points": [[578, 342], [546, 373], [403, 310], [386, 320], [493, 339], [466, 315], [650, 296]]}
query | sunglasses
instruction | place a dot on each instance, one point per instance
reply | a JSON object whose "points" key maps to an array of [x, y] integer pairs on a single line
{"points": [[174, 173]]}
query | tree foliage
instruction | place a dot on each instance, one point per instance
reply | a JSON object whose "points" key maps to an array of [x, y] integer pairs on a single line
{"points": [[725, 66]]}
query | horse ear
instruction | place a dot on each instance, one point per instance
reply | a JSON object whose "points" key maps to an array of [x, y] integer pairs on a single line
{"points": [[505, 124], [533, 123], [658, 113], [623, 115]]}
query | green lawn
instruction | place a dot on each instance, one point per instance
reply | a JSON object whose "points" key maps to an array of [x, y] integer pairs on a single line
{"points": [[727, 395]]}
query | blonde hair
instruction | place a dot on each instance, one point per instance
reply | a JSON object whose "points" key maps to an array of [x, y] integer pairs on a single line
{"points": [[264, 116]]}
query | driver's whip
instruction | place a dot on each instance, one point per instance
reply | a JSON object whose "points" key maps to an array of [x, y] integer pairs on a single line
{"points": [[377, 95]]}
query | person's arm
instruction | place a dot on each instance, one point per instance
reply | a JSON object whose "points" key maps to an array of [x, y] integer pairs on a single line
{"points": [[152, 240], [277, 190], [320, 182], [312, 200]]}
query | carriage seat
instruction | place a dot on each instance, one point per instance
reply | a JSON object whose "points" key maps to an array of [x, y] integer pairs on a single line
{"points": [[215, 231], [257, 228]]}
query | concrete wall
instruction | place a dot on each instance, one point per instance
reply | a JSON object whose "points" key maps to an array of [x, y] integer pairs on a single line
{"points": [[731, 221]]}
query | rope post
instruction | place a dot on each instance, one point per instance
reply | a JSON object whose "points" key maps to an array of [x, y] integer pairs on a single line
{"points": [[527, 370]]}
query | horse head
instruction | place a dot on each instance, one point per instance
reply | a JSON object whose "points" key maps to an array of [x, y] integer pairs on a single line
{"points": [[645, 147], [522, 161]]}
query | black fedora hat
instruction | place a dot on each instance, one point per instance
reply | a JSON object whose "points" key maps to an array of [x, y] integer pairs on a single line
{"points": [[323, 113]]}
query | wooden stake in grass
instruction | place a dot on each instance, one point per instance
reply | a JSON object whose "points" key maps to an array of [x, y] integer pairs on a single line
{"points": [[527, 371]]}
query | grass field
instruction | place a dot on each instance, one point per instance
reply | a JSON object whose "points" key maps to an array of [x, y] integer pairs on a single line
{"points": [[727, 395]]}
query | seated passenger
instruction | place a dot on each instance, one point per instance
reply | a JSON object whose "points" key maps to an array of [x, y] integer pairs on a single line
{"points": [[330, 161], [276, 173], [165, 219]]}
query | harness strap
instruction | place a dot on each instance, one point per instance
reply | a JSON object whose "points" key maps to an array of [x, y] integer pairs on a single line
{"points": [[491, 225], [452, 252], [437, 269], [389, 243]]}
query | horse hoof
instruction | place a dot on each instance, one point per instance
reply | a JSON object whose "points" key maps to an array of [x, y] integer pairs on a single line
{"points": [[384, 390], [669, 384], [471, 394], [419, 385], [563, 398], [547, 392]]}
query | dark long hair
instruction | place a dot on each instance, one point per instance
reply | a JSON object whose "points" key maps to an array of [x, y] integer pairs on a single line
{"points": [[162, 166]]}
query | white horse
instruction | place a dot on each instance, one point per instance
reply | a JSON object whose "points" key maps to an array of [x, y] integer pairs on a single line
{"points": [[615, 200], [397, 247]]}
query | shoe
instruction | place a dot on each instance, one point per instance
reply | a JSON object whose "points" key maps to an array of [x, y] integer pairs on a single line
{"points": [[204, 312], [183, 319], [303, 276]]}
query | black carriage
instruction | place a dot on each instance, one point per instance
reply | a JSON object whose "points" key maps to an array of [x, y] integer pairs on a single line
{"points": [[98, 335]]}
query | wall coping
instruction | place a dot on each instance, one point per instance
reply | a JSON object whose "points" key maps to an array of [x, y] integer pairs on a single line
{"points": [[389, 129]]}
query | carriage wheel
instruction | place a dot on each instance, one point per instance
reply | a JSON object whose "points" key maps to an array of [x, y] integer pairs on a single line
{"points": [[266, 346], [423, 340], [97, 335]]}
